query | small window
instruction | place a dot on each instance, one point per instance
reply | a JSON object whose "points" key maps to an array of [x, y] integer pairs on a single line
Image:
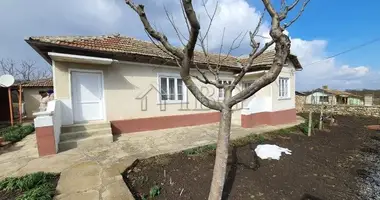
{"points": [[283, 85], [324, 99], [221, 91], [246, 84], [171, 88]]}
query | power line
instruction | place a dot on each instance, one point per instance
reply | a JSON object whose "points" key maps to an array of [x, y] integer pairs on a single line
{"points": [[346, 51]]}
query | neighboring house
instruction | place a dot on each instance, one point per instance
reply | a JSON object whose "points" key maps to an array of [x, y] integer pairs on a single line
{"points": [[30, 95], [333, 97], [116, 79]]}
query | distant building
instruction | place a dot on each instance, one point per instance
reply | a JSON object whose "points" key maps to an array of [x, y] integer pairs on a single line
{"points": [[333, 97], [368, 99]]}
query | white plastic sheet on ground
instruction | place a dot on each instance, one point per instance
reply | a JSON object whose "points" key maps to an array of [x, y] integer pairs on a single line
{"points": [[271, 151]]}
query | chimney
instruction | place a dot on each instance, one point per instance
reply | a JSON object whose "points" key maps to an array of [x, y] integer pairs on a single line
{"points": [[325, 87]]}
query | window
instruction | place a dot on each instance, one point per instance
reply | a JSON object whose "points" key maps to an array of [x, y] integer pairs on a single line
{"points": [[283, 86], [246, 84], [171, 88], [324, 99], [221, 91]]}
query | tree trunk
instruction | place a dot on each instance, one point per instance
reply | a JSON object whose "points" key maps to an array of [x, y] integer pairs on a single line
{"points": [[220, 166]]}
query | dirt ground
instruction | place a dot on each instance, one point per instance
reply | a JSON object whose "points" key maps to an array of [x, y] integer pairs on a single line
{"points": [[325, 166]]}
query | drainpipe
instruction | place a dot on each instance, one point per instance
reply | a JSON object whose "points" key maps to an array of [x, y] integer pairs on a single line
{"points": [[19, 104], [10, 105]]}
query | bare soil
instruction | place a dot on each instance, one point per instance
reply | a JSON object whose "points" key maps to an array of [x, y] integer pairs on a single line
{"points": [[325, 166]]}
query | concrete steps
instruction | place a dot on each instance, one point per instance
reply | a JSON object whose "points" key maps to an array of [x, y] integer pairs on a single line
{"points": [[85, 136]]}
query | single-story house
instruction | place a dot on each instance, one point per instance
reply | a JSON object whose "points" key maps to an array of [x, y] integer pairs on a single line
{"points": [[333, 97], [30, 98], [136, 87], [301, 93], [30, 95]]}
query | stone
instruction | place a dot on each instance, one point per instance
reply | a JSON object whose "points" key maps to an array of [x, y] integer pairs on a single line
{"points": [[80, 177], [87, 195], [117, 190], [118, 167], [53, 163], [355, 110], [11, 167]]}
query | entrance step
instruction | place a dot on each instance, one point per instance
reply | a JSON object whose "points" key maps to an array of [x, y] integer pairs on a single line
{"points": [[88, 142], [84, 127], [85, 136]]}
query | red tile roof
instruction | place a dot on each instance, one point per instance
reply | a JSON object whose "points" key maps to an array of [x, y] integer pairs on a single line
{"points": [[37, 83], [129, 45]]}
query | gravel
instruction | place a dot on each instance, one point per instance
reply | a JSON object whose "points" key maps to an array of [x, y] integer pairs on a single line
{"points": [[369, 177]]}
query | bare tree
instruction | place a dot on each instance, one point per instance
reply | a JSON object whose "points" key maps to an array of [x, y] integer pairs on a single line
{"points": [[25, 70], [8, 66], [184, 57]]}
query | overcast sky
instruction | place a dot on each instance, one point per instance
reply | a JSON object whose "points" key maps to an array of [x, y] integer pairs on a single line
{"points": [[23, 18]]}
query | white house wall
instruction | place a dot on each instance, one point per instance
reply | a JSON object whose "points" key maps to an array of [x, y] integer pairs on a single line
{"points": [[314, 98], [125, 83], [287, 103]]}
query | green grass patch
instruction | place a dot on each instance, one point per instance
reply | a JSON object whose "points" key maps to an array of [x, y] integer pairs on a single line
{"points": [[9, 129], [16, 133], [258, 138], [35, 186], [200, 150], [255, 138]]}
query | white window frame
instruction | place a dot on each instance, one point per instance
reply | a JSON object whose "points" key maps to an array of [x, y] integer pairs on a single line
{"points": [[247, 82], [221, 90], [176, 77], [284, 91]]}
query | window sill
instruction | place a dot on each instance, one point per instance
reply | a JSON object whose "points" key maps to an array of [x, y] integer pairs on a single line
{"points": [[172, 102], [284, 98]]}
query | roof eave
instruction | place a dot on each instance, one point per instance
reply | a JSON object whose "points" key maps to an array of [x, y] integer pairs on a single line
{"points": [[79, 51], [35, 47]]}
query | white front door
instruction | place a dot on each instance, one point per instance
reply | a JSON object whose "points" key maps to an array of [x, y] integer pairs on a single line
{"points": [[87, 96]]}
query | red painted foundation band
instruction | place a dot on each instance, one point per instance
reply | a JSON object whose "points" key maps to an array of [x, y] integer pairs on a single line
{"points": [[269, 118], [164, 122]]}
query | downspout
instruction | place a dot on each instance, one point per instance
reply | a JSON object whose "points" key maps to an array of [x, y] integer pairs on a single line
{"points": [[19, 104], [10, 105]]}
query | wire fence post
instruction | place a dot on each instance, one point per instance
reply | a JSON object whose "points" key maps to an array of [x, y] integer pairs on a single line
{"points": [[310, 120]]}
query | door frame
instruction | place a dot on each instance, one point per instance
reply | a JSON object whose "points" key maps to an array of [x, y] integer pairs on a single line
{"points": [[70, 70]]}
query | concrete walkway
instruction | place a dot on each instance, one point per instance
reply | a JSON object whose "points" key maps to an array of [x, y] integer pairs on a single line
{"points": [[95, 173]]}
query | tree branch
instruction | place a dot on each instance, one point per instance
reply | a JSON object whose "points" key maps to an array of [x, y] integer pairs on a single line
{"points": [[286, 25], [207, 80], [184, 16], [286, 9], [184, 58], [268, 6], [282, 52], [189, 55], [254, 54], [178, 32], [139, 9]]}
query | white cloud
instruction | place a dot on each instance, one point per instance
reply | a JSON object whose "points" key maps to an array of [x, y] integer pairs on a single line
{"points": [[95, 17], [318, 71]]}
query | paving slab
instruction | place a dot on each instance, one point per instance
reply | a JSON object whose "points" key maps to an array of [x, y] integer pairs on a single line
{"points": [[80, 177], [87, 195]]}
